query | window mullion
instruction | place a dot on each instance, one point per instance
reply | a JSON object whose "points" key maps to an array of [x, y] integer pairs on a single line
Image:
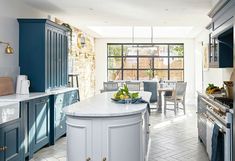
{"points": [[137, 63], [122, 63], [168, 70]]}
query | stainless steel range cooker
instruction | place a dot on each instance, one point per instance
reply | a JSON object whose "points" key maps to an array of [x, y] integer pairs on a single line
{"points": [[218, 111]]}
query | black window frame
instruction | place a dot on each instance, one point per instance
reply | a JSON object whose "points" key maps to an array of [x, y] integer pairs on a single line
{"points": [[137, 56]]}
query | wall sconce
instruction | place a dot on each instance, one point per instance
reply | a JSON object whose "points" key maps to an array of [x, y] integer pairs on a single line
{"points": [[83, 40], [8, 49]]}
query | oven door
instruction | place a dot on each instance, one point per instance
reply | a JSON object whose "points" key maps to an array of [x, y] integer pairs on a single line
{"points": [[227, 132], [202, 121]]}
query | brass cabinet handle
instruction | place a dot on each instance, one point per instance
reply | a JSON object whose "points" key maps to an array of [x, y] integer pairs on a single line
{"points": [[104, 159], [4, 148], [88, 159]]}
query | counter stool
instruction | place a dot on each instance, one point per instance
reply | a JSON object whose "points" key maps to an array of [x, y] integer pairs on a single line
{"points": [[71, 78]]}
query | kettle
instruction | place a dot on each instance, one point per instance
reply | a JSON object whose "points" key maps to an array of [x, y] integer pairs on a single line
{"points": [[20, 78], [229, 89], [24, 87]]}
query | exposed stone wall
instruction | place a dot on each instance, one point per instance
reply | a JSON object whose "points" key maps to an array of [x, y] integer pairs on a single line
{"points": [[82, 61]]}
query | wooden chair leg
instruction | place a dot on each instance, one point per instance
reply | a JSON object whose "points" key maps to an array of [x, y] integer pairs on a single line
{"points": [[72, 81], [77, 81], [175, 107], [184, 106], [165, 106]]}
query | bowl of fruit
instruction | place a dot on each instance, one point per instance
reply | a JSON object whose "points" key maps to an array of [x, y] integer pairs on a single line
{"points": [[212, 89], [123, 95]]}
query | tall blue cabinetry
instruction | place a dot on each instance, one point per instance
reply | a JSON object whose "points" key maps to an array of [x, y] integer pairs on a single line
{"points": [[43, 48]]}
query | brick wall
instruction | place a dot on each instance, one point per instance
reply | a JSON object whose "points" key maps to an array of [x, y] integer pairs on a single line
{"points": [[82, 61]]}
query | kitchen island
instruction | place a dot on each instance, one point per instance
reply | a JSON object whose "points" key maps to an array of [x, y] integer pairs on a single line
{"points": [[99, 129]]}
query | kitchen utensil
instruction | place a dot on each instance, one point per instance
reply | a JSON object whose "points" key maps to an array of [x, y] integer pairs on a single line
{"points": [[6, 86], [24, 87], [229, 89], [18, 85]]}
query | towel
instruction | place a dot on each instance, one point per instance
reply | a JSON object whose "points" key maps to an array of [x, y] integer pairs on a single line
{"points": [[137, 101], [134, 101], [209, 132], [217, 144]]}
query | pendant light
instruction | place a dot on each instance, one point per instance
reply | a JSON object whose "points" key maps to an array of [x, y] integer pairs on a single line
{"points": [[151, 38]]}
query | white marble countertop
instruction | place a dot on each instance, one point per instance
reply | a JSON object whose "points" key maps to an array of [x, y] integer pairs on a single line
{"points": [[33, 95], [101, 105], [61, 90], [9, 111], [20, 97], [8, 103]]}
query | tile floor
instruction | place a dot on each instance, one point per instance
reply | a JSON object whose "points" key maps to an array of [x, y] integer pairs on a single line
{"points": [[173, 138]]}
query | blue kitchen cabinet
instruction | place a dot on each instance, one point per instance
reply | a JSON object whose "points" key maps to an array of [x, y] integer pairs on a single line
{"points": [[35, 116], [71, 97], [43, 53], [221, 39], [58, 118], [39, 123], [10, 141]]}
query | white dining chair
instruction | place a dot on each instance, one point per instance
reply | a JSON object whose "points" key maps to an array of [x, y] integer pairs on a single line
{"points": [[178, 96], [110, 86], [133, 86]]}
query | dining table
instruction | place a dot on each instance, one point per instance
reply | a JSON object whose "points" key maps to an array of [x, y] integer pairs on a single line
{"points": [[160, 91]]}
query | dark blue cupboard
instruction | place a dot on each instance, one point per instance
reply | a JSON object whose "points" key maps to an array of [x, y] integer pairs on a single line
{"points": [[35, 115], [39, 123], [10, 141], [43, 53]]}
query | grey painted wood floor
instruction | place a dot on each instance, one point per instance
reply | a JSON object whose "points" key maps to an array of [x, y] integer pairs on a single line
{"points": [[173, 138]]}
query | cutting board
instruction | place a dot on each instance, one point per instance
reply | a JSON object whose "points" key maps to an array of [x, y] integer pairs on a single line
{"points": [[232, 78], [6, 86]]}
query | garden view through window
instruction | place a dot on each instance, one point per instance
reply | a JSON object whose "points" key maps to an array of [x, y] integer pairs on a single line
{"points": [[145, 61]]}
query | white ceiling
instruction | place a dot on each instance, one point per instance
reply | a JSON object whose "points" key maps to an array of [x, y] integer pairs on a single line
{"points": [[142, 31], [115, 15]]}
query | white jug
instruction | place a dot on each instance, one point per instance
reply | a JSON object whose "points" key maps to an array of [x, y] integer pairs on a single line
{"points": [[25, 87], [18, 85]]}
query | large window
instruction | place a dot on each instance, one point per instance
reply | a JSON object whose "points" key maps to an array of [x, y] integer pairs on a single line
{"points": [[145, 61]]}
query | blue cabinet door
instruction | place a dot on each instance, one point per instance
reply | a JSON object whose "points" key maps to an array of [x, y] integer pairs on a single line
{"points": [[64, 60], [58, 63], [49, 79], [10, 142], [58, 125], [63, 63], [24, 106], [71, 97], [56, 58], [39, 123]]}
